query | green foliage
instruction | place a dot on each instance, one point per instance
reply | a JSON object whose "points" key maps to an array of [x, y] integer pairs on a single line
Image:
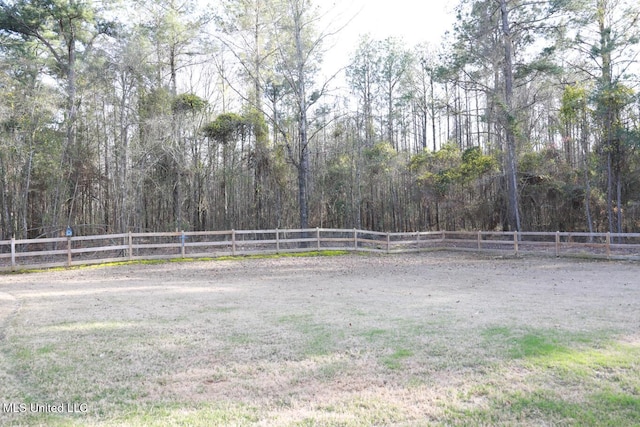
{"points": [[475, 164], [227, 127], [379, 157], [155, 102], [631, 138], [531, 162], [336, 182], [615, 95], [449, 166], [188, 103], [543, 65], [610, 100], [57, 25], [574, 101], [259, 124]]}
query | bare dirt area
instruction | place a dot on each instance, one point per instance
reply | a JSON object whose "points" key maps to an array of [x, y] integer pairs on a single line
{"points": [[412, 339]]}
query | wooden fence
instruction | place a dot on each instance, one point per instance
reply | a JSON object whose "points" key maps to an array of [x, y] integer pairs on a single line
{"points": [[69, 251]]}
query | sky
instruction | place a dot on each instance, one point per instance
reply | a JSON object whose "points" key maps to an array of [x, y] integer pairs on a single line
{"points": [[415, 21]]}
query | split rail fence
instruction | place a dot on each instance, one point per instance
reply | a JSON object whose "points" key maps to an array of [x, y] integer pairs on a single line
{"points": [[80, 250]]}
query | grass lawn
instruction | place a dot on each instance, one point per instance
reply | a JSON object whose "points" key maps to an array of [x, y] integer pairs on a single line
{"points": [[352, 340]]}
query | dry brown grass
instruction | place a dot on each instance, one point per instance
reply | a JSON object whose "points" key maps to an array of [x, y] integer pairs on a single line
{"points": [[434, 338]]}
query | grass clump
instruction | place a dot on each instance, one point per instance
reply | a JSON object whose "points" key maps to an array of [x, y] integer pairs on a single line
{"points": [[315, 338], [394, 361], [323, 253], [555, 378], [328, 253]]}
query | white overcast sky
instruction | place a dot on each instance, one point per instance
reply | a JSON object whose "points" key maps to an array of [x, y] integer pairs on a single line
{"points": [[415, 21]]}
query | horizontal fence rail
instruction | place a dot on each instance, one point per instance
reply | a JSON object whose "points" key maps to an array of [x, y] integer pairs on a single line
{"points": [[79, 250]]}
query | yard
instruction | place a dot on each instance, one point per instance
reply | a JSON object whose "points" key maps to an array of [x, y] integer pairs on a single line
{"points": [[434, 338]]}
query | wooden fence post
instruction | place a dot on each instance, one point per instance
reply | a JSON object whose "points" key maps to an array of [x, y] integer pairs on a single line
{"points": [[68, 251], [182, 249], [233, 242], [355, 239], [318, 237], [479, 239], [388, 242], [130, 246], [515, 242], [557, 244], [13, 253], [608, 244], [277, 241], [418, 240]]}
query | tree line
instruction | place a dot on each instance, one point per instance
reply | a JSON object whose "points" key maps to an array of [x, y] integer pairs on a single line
{"points": [[175, 115]]}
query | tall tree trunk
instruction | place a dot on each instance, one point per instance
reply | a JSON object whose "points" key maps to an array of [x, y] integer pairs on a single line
{"points": [[509, 119], [63, 188], [301, 95], [25, 198], [585, 153], [433, 112], [71, 125], [6, 223], [610, 192], [619, 197], [608, 114]]}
